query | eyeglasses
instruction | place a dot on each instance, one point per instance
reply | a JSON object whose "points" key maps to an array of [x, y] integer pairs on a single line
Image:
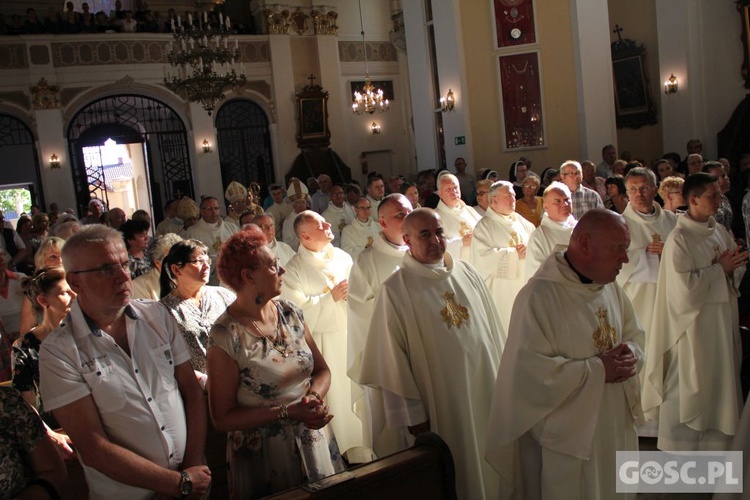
{"points": [[640, 190], [266, 227], [200, 261], [276, 266], [107, 270]]}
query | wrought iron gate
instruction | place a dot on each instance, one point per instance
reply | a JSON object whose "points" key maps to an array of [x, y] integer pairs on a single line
{"points": [[13, 132]]}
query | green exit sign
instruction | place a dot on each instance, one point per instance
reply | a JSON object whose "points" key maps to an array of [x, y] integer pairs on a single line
{"points": [[461, 139]]}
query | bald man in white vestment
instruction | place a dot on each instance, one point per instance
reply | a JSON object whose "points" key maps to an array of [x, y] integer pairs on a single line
{"points": [[362, 231], [498, 248], [337, 214], [372, 267], [692, 380], [459, 219], [555, 229], [281, 250], [434, 348], [566, 396], [317, 280]]}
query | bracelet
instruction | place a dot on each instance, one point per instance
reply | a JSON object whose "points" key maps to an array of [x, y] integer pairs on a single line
{"points": [[284, 414], [316, 395], [46, 486]]}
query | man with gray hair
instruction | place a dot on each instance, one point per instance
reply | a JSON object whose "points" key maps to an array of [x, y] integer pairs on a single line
{"points": [[458, 218], [554, 231], [146, 286], [117, 377], [321, 197], [498, 248], [584, 199]]}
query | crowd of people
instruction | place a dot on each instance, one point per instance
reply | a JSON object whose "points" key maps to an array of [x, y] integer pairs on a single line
{"points": [[538, 324], [139, 19]]}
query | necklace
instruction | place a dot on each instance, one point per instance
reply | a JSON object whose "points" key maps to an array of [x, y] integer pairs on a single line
{"points": [[277, 344]]}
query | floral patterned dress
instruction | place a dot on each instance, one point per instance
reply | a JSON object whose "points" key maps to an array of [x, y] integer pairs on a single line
{"points": [[21, 430], [265, 460], [195, 322]]}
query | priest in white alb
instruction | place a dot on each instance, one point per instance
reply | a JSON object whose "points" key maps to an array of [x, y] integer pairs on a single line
{"points": [[434, 348], [281, 250], [692, 382], [212, 231], [555, 229], [337, 214], [300, 200], [458, 217], [566, 396], [498, 248], [317, 280], [372, 267], [362, 231], [280, 209]]}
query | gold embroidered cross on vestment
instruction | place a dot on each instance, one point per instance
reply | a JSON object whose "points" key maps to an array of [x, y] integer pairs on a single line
{"points": [[605, 337], [454, 314]]}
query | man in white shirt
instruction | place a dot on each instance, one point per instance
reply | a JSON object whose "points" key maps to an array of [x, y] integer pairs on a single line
{"points": [[498, 248], [281, 250], [337, 214], [212, 231], [317, 280], [555, 229], [434, 348], [371, 268], [118, 378], [458, 218], [362, 231]]}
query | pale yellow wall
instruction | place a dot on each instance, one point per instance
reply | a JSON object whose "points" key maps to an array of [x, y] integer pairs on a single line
{"points": [[638, 20], [304, 61], [558, 86]]}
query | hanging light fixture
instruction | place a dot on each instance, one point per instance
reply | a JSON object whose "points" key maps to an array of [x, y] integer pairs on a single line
{"points": [[203, 60], [370, 99]]}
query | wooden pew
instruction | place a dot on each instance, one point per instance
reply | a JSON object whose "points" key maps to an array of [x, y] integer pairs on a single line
{"points": [[425, 470]]}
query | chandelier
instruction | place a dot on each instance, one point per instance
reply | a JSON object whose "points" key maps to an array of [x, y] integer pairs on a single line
{"points": [[370, 99], [204, 62]]}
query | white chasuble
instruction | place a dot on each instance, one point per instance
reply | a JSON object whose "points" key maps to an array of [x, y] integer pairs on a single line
{"points": [[288, 235], [212, 235], [543, 242], [307, 282], [371, 269], [359, 235], [493, 253], [282, 251], [338, 218], [435, 339], [458, 222], [555, 426], [692, 381]]}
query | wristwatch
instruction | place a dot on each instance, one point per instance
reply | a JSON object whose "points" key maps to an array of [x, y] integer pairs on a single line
{"points": [[186, 484]]}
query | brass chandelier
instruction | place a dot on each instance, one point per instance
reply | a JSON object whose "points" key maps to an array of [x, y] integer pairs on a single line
{"points": [[204, 62], [370, 99]]}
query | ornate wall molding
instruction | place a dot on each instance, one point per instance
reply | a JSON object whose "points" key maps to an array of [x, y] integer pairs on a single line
{"points": [[13, 56], [45, 96], [378, 51], [16, 98], [289, 20]]}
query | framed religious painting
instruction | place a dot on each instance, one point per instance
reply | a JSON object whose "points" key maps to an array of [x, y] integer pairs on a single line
{"points": [[743, 7], [312, 116], [514, 22], [633, 105], [521, 97]]}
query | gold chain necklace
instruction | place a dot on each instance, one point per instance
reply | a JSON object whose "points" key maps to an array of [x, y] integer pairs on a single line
{"points": [[278, 343]]}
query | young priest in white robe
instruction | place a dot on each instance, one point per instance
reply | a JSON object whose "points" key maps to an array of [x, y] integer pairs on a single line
{"points": [[362, 231], [692, 382], [567, 395], [337, 214], [434, 348], [281, 250], [372, 267], [498, 248], [458, 217], [555, 229], [317, 280]]}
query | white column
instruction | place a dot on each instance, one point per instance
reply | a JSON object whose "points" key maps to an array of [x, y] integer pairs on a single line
{"points": [[593, 67], [283, 96], [328, 55], [58, 183]]}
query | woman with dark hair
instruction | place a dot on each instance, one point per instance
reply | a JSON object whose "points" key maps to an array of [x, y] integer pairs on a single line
{"points": [[618, 198], [411, 191], [267, 379], [135, 233], [193, 304], [51, 296]]}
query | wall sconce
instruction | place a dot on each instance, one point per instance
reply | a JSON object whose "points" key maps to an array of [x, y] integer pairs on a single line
{"points": [[54, 161], [447, 102], [375, 128], [671, 85], [207, 146]]}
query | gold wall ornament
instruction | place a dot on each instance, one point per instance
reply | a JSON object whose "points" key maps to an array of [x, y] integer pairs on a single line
{"points": [[300, 21], [655, 238], [454, 314], [605, 337], [45, 96]]}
